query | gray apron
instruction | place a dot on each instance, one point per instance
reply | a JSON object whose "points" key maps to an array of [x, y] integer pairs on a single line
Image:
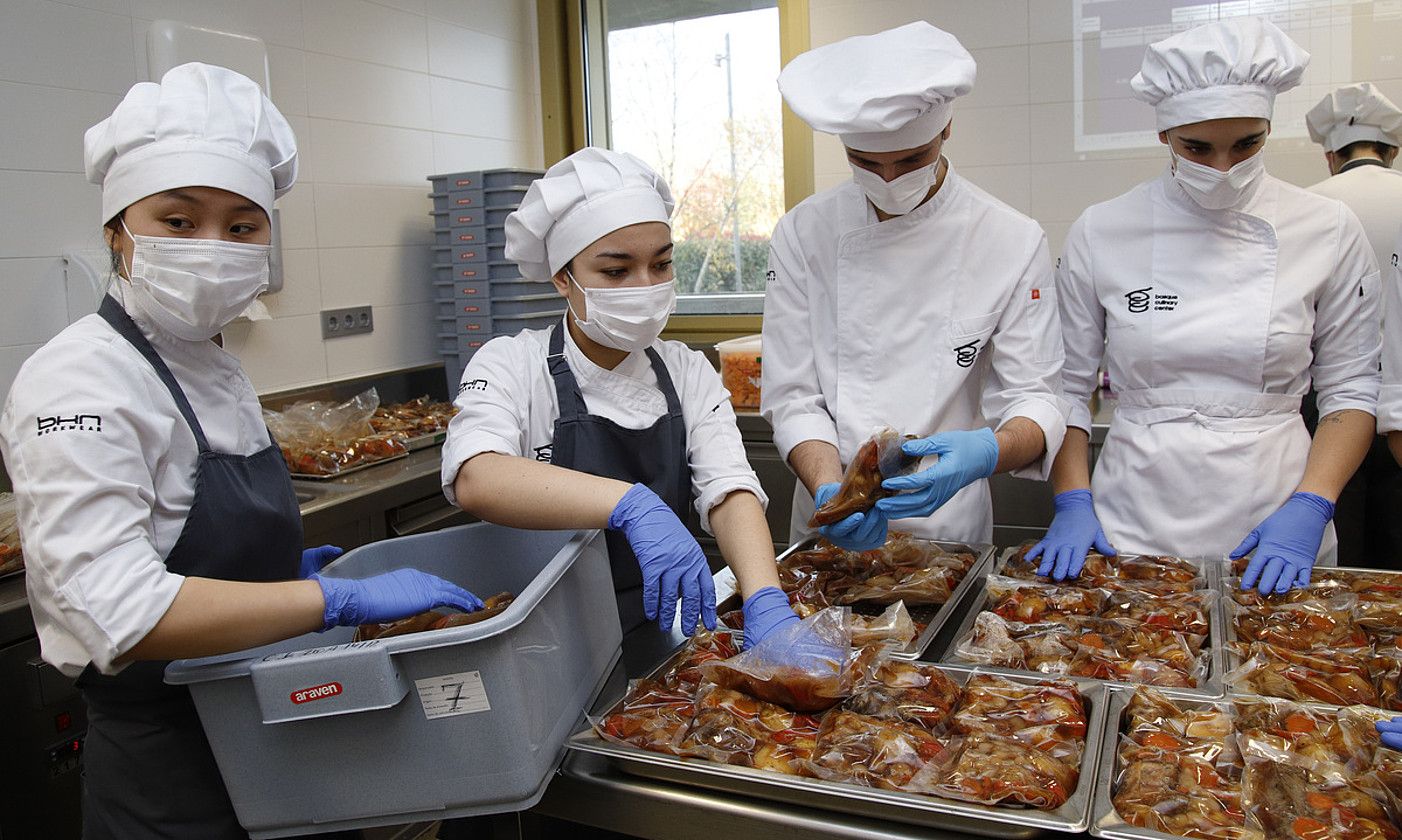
{"points": [[655, 456], [148, 770]]}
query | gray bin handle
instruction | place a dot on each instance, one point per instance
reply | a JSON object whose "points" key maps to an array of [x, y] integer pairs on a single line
{"points": [[325, 681]]}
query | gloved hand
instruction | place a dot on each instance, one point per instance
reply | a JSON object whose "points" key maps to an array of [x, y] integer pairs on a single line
{"points": [[1391, 731], [965, 457], [798, 645], [670, 558], [766, 611], [389, 597], [314, 558], [1286, 544], [858, 532], [1073, 532]]}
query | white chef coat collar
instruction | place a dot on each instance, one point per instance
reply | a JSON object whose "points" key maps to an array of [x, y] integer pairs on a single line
{"points": [[166, 342], [625, 382]]}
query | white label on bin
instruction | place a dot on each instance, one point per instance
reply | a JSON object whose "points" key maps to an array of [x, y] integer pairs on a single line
{"points": [[453, 694]]}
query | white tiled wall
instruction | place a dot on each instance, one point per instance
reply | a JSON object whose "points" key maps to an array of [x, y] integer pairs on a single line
{"points": [[1014, 135], [381, 95]]}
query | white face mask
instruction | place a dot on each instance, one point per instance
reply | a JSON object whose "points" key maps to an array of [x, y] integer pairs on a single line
{"points": [[628, 318], [1214, 189], [194, 288], [900, 195]]}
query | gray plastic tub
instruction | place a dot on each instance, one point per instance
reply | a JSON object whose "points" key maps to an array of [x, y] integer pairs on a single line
{"points": [[320, 733]]}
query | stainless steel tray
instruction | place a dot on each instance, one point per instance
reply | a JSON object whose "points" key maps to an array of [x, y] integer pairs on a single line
{"points": [[934, 616], [414, 444], [1211, 687], [347, 471], [912, 808]]}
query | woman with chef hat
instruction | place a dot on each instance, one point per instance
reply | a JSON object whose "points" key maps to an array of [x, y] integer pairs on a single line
{"points": [[158, 517], [596, 423], [1214, 295]]}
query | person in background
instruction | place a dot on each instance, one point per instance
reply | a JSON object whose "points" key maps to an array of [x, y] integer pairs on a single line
{"points": [[158, 518], [1360, 130], [1214, 295], [906, 297], [597, 423]]}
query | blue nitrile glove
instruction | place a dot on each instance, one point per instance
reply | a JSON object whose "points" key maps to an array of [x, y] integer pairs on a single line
{"points": [[965, 457], [389, 597], [800, 646], [1391, 732], [858, 532], [1074, 531], [671, 560], [766, 611], [314, 558], [1286, 544]]}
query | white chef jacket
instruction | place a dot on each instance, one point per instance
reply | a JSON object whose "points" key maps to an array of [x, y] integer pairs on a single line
{"points": [[1212, 324], [1374, 194], [1390, 396], [103, 466], [507, 404], [942, 319]]}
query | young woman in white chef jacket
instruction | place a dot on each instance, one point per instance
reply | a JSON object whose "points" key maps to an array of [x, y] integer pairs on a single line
{"points": [[158, 518], [1214, 295], [596, 423]]}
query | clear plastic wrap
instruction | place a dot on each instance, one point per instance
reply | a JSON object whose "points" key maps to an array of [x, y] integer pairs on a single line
{"points": [[1289, 795], [1144, 573], [874, 752], [1049, 716], [1128, 651], [1180, 612], [1182, 795], [703, 647], [414, 418], [879, 458], [907, 691], [1302, 626], [733, 728], [652, 716], [892, 627], [1336, 677], [1031, 602], [916, 587], [993, 640], [323, 438], [767, 671], [991, 770]]}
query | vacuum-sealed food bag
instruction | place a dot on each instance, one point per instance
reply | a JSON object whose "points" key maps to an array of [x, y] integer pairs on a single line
{"points": [[878, 459]]}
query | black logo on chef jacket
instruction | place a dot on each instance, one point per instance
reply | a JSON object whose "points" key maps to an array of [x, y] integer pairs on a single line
{"points": [[76, 423], [473, 385], [1140, 300], [965, 354], [545, 453], [770, 276]]}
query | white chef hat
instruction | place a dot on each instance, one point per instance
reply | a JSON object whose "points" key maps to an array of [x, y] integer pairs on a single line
{"points": [[881, 93], [1227, 68], [200, 126], [589, 194], [1353, 113]]}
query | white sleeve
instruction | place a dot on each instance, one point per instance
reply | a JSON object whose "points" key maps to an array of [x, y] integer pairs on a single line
{"points": [[715, 451], [1025, 380], [493, 407], [1082, 325], [1347, 333], [85, 497], [791, 398], [1390, 395]]}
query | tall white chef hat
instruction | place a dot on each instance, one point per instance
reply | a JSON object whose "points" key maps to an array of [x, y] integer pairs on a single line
{"points": [[1227, 68], [886, 92], [589, 194], [200, 126], [1353, 113]]}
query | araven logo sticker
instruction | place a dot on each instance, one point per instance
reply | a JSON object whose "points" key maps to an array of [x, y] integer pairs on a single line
{"points": [[316, 692], [76, 423]]}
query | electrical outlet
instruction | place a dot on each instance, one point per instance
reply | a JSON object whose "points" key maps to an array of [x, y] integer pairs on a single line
{"points": [[352, 320]]}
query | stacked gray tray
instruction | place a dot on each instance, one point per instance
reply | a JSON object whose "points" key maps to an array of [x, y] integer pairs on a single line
{"points": [[479, 294]]}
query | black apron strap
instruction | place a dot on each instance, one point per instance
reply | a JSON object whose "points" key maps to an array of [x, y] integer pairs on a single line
{"points": [[664, 384], [566, 386], [113, 313]]}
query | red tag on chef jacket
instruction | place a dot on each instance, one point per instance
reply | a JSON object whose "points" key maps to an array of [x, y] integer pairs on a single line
{"points": [[1036, 294]]}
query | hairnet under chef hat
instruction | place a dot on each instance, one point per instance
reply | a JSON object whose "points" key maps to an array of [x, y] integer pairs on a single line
{"points": [[1227, 68], [589, 194], [1354, 113], [881, 93], [201, 126]]}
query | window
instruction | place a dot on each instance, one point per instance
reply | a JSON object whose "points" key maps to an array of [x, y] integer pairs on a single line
{"points": [[689, 87]]}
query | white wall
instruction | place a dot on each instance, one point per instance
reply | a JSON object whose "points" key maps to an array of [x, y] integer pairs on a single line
{"points": [[1013, 135], [381, 95]]}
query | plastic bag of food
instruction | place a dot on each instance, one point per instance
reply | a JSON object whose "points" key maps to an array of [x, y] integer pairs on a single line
{"points": [[906, 551], [435, 620], [11, 554], [1303, 626], [1151, 711], [917, 587], [877, 459], [806, 667], [1371, 585], [1338, 677], [322, 438], [875, 752], [991, 770], [1286, 794], [914, 692], [735, 728], [415, 418], [703, 646], [1183, 796], [993, 640], [893, 628], [1030, 602], [1181, 612], [651, 715], [1049, 716]]}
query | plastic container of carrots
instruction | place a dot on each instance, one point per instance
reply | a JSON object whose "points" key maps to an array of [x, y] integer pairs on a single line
{"points": [[739, 370]]}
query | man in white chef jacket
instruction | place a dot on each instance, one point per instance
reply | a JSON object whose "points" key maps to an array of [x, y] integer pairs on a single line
{"points": [[906, 297], [1361, 130]]}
